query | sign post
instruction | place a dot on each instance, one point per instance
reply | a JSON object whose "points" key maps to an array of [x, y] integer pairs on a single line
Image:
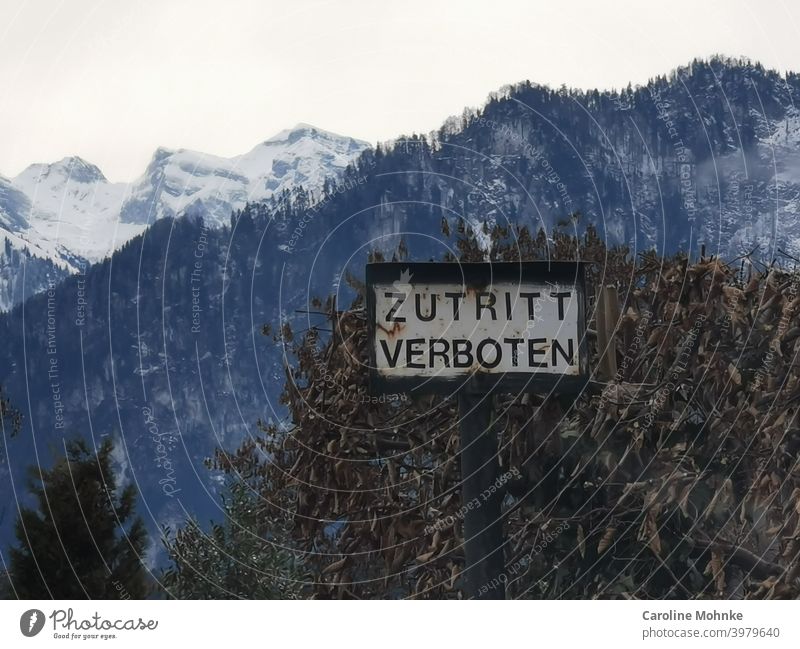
{"points": [[483, 525], [469, 330]]}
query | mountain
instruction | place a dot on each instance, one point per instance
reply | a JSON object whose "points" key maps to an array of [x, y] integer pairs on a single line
{"points": [[25, 267], [73, 207], [160, 345], [58, 217], [212, 187]]}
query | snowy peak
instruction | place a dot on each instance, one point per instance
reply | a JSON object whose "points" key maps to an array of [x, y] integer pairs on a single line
{"points": [[309, 132], [66, 212], [303, 155], [72, 210], [185, 181], [73, 169]]}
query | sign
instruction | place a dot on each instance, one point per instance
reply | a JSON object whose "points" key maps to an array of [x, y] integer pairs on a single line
{"points": [[436, 327]]}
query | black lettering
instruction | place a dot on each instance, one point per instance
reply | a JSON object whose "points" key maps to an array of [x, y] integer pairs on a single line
{"points": [[441, 353], [412, 353], [515, 343], [498, 355], [568, 356], [462, 348], [456, 297], [508, 306], [532, 362], [432, 313], [530, 297], [392, 358], [399, 299], [561, 297], [479, 306]]}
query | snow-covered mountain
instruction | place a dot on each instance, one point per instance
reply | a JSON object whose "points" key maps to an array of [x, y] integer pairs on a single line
{"points": [[74, 211], [56, 217], [181, 181], [25, 266]]}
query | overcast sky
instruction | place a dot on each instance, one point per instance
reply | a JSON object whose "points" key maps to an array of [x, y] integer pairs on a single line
{"points": [[110, 80]]}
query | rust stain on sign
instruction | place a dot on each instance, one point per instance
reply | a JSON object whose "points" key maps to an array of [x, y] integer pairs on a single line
{"points": [[396, 329]]}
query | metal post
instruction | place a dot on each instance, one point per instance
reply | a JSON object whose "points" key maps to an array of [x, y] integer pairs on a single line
{"points": [[483, 528]]}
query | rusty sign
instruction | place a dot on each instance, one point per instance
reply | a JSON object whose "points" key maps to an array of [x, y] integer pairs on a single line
{"points": [[438, 327]]}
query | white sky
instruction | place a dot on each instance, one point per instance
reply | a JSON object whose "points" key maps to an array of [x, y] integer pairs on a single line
{"points": [[112, 80]]}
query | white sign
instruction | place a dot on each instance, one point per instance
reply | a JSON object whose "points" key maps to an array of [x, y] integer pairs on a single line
{"points": [[430, 327]]}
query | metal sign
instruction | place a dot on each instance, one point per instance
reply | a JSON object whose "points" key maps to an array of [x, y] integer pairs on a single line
{"points": [[437, 327]]}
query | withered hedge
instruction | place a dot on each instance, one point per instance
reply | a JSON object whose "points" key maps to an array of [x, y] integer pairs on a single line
{"points": [[677, 477]]}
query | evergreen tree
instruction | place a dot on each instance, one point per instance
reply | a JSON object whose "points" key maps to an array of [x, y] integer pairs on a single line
{"points": [[10, 417], [6, 592], [83, 539]]}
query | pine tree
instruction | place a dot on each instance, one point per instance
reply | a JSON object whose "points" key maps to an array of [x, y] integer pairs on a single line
{"points": [[83, 539]]}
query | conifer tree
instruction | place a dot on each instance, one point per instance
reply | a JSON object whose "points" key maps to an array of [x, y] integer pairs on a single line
{"points": [[82, 539], [10, 417]]}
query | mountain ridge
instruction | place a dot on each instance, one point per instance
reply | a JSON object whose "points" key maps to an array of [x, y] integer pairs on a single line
{"points": [[66, 213]]}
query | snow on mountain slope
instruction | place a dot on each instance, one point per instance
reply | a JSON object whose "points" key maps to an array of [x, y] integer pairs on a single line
{"points": [[25, 269], [75, 209], [13, 204], [67, 213], [25, 266], [188, 181]]}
